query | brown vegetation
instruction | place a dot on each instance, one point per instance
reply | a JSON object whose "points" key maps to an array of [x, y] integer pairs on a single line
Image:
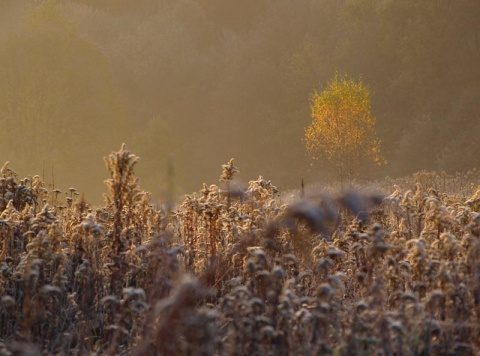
{"points": [[239, 271]]}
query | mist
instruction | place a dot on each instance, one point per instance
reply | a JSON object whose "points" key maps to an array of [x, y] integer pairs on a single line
{"points": [[190, 84]]}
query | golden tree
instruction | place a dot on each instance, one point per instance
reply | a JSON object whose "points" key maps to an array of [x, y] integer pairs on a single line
{"points": [[342, 132]]}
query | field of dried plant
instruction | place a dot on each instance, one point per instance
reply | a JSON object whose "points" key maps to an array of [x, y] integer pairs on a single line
{"points": [[230, 271]]}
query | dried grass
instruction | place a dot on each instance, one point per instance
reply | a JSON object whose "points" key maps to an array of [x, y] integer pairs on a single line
{"points": [[238, 271]]}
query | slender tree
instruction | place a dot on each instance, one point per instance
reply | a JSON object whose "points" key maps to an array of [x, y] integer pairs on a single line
{"points": [[342, 133]]}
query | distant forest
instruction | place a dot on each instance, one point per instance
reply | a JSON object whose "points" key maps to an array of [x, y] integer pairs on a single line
{"points": [[188, 84]]}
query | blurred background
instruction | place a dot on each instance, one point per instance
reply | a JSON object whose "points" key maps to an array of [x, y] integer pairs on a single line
{"points": [[188, 84]]}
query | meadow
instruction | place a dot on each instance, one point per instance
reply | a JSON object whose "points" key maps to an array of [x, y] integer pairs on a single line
{"points": [[241, 271]]}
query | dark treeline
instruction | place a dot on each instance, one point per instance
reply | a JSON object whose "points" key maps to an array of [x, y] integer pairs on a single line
{"points": [[202, 81]]}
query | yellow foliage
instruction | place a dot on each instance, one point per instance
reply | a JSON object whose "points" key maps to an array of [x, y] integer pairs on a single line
{"points": [[342, 130]]}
